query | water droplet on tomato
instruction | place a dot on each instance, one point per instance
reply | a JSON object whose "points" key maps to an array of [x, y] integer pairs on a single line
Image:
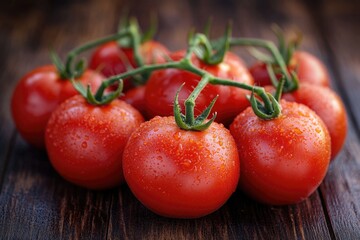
{"points": [[177, 135], [186, 163], [297, 130], [84, 144]]}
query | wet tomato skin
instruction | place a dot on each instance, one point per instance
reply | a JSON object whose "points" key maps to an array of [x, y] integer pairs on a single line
{"points": [[136, 98], [309, 69], [178, 173], [283, 160], [163, 84], [85, 143], [38, 94], [328, 106]]}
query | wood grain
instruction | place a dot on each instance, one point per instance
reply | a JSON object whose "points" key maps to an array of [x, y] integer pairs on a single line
{"points": [[36, 203], [337, 22]]}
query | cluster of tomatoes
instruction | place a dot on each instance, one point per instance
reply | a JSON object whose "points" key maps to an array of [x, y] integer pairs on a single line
{"points": [[172, 171]]}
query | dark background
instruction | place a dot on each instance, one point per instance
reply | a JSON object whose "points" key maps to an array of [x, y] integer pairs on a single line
{"points": [[36, 203]]}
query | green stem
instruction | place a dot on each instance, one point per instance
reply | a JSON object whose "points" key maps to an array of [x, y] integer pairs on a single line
{"points": [[270, 46], [291, 82], [190, 101], [136, 42], [279, 89], [198, 40], [89, 45], [186, 65], [268, 111], [260, 91]]}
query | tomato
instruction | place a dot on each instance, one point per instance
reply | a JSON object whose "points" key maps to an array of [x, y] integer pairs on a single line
{"points": [[85, 143], [308, 68], [282, 160], [135, 97], [37, 95], [111, 59], [163, 84], [179, 173], [328, 105]]}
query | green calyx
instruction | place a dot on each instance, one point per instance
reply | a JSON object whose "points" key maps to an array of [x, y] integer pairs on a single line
{"points": [[210, 52], [266, 106], [188, 121], [100, 98], [261, 111], [270, 108]]}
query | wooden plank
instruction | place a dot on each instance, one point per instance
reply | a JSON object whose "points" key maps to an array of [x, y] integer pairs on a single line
{"points": [[35, 202], [339, 23], [11, 63], [240, 217], [44, 205]]}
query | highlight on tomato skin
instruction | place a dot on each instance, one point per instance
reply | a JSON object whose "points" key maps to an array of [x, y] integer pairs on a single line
{"points": [[37, 94], [308, 67], [283, 160], [178, 173], [163, 84], [85, 142]]}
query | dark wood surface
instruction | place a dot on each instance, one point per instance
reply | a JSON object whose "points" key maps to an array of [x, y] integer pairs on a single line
{"points": [[36, 203]]}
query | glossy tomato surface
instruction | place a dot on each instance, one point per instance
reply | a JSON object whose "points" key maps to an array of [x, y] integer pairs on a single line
{"points": [[309, 69], [283, 160], [178, 173], [163, 84], [85, 143], [330, 108], [136, 98], [111, 59], [38, 94]]}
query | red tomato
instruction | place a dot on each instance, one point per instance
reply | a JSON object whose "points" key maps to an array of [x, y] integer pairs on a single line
{"points": [[85, 143], [135, 97], [37, 95], [111, 59], [282, 160], [308, 68], [163, 84], [328, 105], [178, 173]]}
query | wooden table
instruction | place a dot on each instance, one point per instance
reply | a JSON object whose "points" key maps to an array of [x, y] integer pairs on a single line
{"points": [[36, 203]]}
